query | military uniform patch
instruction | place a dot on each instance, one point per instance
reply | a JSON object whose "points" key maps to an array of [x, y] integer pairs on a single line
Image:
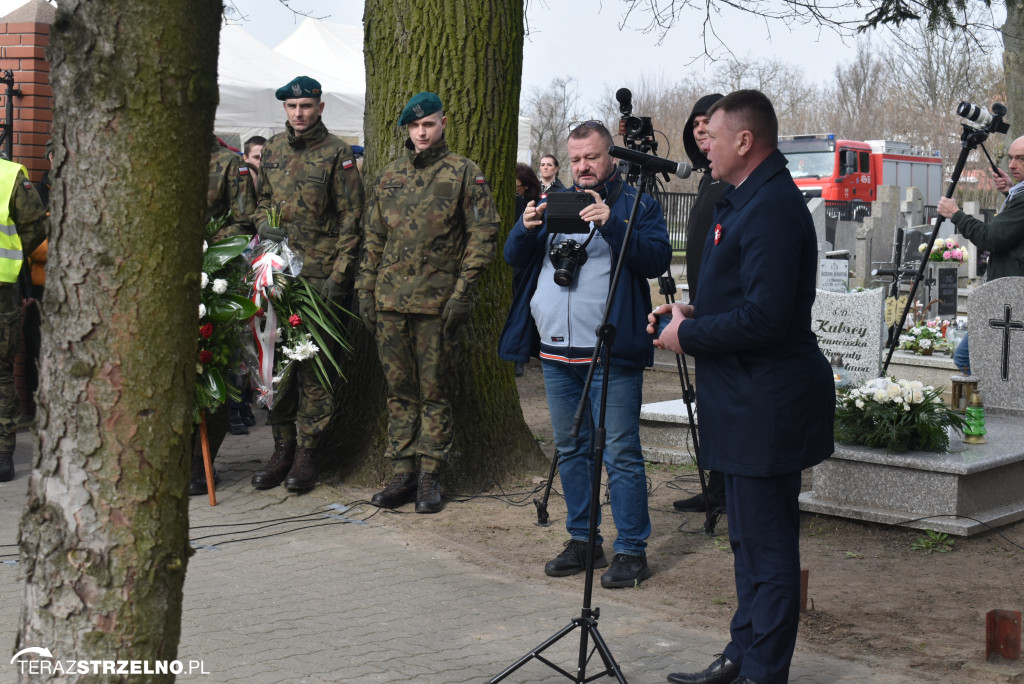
{"points": [[27, 185], [347, 164], [480, 180], [243, 170]]}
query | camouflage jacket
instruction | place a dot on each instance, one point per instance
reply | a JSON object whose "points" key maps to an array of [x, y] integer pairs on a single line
{"points": [[431, 228], [231, 190], [311, 178], [29, 214]]}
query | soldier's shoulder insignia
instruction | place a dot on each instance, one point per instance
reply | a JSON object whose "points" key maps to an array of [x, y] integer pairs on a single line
{"points": [[480, 180], [243, 170], [347, 164]]}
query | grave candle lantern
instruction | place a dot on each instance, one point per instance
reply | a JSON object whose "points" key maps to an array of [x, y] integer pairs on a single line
{"points": [[963, 386], [974, 433]]}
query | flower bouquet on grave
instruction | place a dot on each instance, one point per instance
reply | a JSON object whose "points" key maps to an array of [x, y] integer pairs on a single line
{"points": [[945, 251], [899, 415], [924, 339], [293, 322], [223, 311]]}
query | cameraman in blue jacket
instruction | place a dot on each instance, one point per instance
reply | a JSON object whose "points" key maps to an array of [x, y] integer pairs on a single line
{"points": [[555, 314]]}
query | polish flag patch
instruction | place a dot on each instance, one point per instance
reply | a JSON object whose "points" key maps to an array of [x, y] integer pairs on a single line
{"points": [[347, 164], [243, 170], [718, 233], [480, 180]]}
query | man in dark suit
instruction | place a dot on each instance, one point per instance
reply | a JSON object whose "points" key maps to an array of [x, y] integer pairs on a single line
{"points": [[758, 365]]}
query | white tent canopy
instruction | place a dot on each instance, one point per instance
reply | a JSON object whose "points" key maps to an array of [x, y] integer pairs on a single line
{"points": [[338, 49], [249, 73]]}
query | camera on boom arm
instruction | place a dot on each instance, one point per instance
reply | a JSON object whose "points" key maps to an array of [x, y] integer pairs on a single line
{"points": [[983, 120]]}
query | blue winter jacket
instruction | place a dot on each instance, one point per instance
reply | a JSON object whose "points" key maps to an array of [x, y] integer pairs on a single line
{"points": [[648, 256]]}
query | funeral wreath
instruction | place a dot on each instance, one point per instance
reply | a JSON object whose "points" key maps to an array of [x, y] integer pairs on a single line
{"points": [[898, 415]]}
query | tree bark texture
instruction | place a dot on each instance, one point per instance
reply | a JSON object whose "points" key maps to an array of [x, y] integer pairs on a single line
{"points": [[104, 538], [470, 53], [1013, 69]]}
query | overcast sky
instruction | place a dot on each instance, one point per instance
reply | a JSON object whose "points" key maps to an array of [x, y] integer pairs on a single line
{"points": [[582, 39]]}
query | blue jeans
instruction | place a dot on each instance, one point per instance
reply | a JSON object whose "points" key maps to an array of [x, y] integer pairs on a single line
{"points": [[962, 357], [623, 458]]}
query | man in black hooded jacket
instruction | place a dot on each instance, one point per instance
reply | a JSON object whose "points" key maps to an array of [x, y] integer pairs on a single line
{"points": [[698, 224]]}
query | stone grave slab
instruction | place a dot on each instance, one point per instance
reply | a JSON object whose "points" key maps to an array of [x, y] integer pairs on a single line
{"points": [[665, 432], [995, 330], [972, 488], [852, 325], [969, 490]]}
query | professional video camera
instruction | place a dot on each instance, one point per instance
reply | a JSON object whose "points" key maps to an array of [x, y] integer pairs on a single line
{"points": [[982, 119], [637, 131]]}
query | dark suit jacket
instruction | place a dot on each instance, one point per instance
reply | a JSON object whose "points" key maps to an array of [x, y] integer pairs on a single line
{"points": [[765, 393]]}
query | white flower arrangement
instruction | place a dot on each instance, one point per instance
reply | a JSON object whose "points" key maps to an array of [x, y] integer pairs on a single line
{"points": [[875, 414]]}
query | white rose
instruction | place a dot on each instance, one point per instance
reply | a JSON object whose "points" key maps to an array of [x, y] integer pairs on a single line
{"points": [[897, 400], [859, 403], [220, 286], [204, 280], [893, 390], [881, 396], [917, 397], [916, 384], [906, 407], [205, 246], [202, 310], [199, 369], [926, 344]]}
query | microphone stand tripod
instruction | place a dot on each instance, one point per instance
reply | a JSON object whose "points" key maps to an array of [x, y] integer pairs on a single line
{"points": [[587, 620], [667, 287]]}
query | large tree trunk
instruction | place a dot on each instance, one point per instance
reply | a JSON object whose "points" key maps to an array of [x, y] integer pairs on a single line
{"points": [[104, 539], [470, 53], [1013, 69]]}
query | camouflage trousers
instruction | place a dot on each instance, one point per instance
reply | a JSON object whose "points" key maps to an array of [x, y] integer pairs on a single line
{"points": [[303, 408], [414, 356], [10, 321]]}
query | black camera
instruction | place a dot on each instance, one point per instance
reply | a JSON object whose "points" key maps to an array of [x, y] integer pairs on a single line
{"points": [[567, 257], [985, 120], [637, 131]]}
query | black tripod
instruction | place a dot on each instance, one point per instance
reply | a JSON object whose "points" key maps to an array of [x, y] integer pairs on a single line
{"points": [[970, 138], [587, 620], [667, 287]]}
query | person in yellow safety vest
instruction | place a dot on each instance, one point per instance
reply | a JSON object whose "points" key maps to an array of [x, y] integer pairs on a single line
{"points": [[24, 224]]}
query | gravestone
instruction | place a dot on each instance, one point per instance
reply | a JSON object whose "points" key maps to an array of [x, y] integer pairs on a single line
{"points": [[912, 207], [947, 291], [970, 489], [851, 325], [834, 275], [913, 238], [995, 328]]}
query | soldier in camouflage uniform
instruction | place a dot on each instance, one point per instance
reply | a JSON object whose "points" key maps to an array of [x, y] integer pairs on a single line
{"points": [[431, 229], [231, 191], [310, 177], [24, 224]]}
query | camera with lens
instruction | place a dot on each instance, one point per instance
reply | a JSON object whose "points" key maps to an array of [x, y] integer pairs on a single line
{"points": [[637, 131], [567, 257], [983, 119]]}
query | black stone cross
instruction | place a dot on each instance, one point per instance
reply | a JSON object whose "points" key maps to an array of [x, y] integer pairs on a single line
{"points": [[1007, 325]]}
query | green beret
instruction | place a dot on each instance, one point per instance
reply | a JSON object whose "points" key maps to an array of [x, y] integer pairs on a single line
{"points": [[300, 86], [419, 106]]}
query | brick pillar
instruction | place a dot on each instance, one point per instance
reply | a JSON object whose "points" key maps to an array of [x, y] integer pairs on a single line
{"points": [[23, 51]]}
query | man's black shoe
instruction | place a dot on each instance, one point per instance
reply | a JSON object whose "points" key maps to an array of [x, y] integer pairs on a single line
{"points": [[277, 467], [401, 490], [573, 559], [626, 571], [304, 471], [428, 496], [695, 504], [722, 671], [237, 426]]}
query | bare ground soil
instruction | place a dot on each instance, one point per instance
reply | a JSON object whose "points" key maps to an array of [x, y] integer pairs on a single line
{"points": [[871, 596]]}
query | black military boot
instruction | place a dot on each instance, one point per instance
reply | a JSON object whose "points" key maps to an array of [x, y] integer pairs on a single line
{"points": [[400, 490], [6, 466], [277, 467], [428, 498], [305, 471]]}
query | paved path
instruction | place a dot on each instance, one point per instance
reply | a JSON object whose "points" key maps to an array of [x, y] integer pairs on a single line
{"points": [[279, 592]]}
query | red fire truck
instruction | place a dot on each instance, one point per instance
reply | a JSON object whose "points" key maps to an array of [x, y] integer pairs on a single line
{"points": [[851, 170]]}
